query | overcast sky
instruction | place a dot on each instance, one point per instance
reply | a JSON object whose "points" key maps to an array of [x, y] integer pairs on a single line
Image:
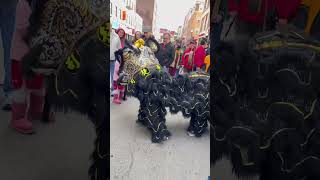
{"points": [[172, 12]]}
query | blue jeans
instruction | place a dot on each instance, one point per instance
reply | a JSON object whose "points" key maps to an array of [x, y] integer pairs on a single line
{"points": [[7, 26], [112, 64]]}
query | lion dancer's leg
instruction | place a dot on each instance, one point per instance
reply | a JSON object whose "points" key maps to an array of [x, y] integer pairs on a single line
{"points": [[37, 98], [48, 114], [36, 102], [100, 167], [142, 114], [162, 115], [142, 117], [198, 124], [154, 121], [124, 94]]}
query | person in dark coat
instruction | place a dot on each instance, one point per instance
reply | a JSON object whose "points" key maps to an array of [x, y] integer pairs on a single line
{"points": [[166, 53]]}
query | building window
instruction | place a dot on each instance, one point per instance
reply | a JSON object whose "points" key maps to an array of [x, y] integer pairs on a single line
{"points": [[116, 11]]}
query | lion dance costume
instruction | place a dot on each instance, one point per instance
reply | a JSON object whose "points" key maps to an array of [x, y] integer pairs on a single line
{"points": [[69, 45], [157, 90], [266, 107]]}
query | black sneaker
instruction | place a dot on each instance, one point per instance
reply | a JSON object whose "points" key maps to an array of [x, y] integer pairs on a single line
{"points": [[191, 133]]}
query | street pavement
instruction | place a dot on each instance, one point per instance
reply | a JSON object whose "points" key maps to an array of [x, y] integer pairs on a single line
{"points": [[134, 157], [61, 150], [58, 151]]}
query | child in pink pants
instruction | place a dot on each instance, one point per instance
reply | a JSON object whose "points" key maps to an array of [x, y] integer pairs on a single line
{"points": [[118, 89], [28, 94]]}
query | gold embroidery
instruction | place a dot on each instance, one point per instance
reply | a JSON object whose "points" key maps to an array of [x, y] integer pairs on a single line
{"points": [[99, 154], [104, 33], [72, 63], [132, 81], [158, 67], [145, 72]]}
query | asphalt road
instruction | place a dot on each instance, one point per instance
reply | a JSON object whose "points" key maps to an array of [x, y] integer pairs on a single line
{"points": [[58, 151], [134, 157], [61, 150]]}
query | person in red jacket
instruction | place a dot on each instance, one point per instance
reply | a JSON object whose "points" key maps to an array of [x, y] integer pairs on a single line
{"points": [[253, 16], [255, 11], [200, 55], [188, 57]]}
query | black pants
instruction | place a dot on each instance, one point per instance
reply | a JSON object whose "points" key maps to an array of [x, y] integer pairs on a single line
{"points": [[125, 94]]}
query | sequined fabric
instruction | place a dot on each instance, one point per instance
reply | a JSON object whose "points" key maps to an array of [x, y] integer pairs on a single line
{"points": [[62, 25]]}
